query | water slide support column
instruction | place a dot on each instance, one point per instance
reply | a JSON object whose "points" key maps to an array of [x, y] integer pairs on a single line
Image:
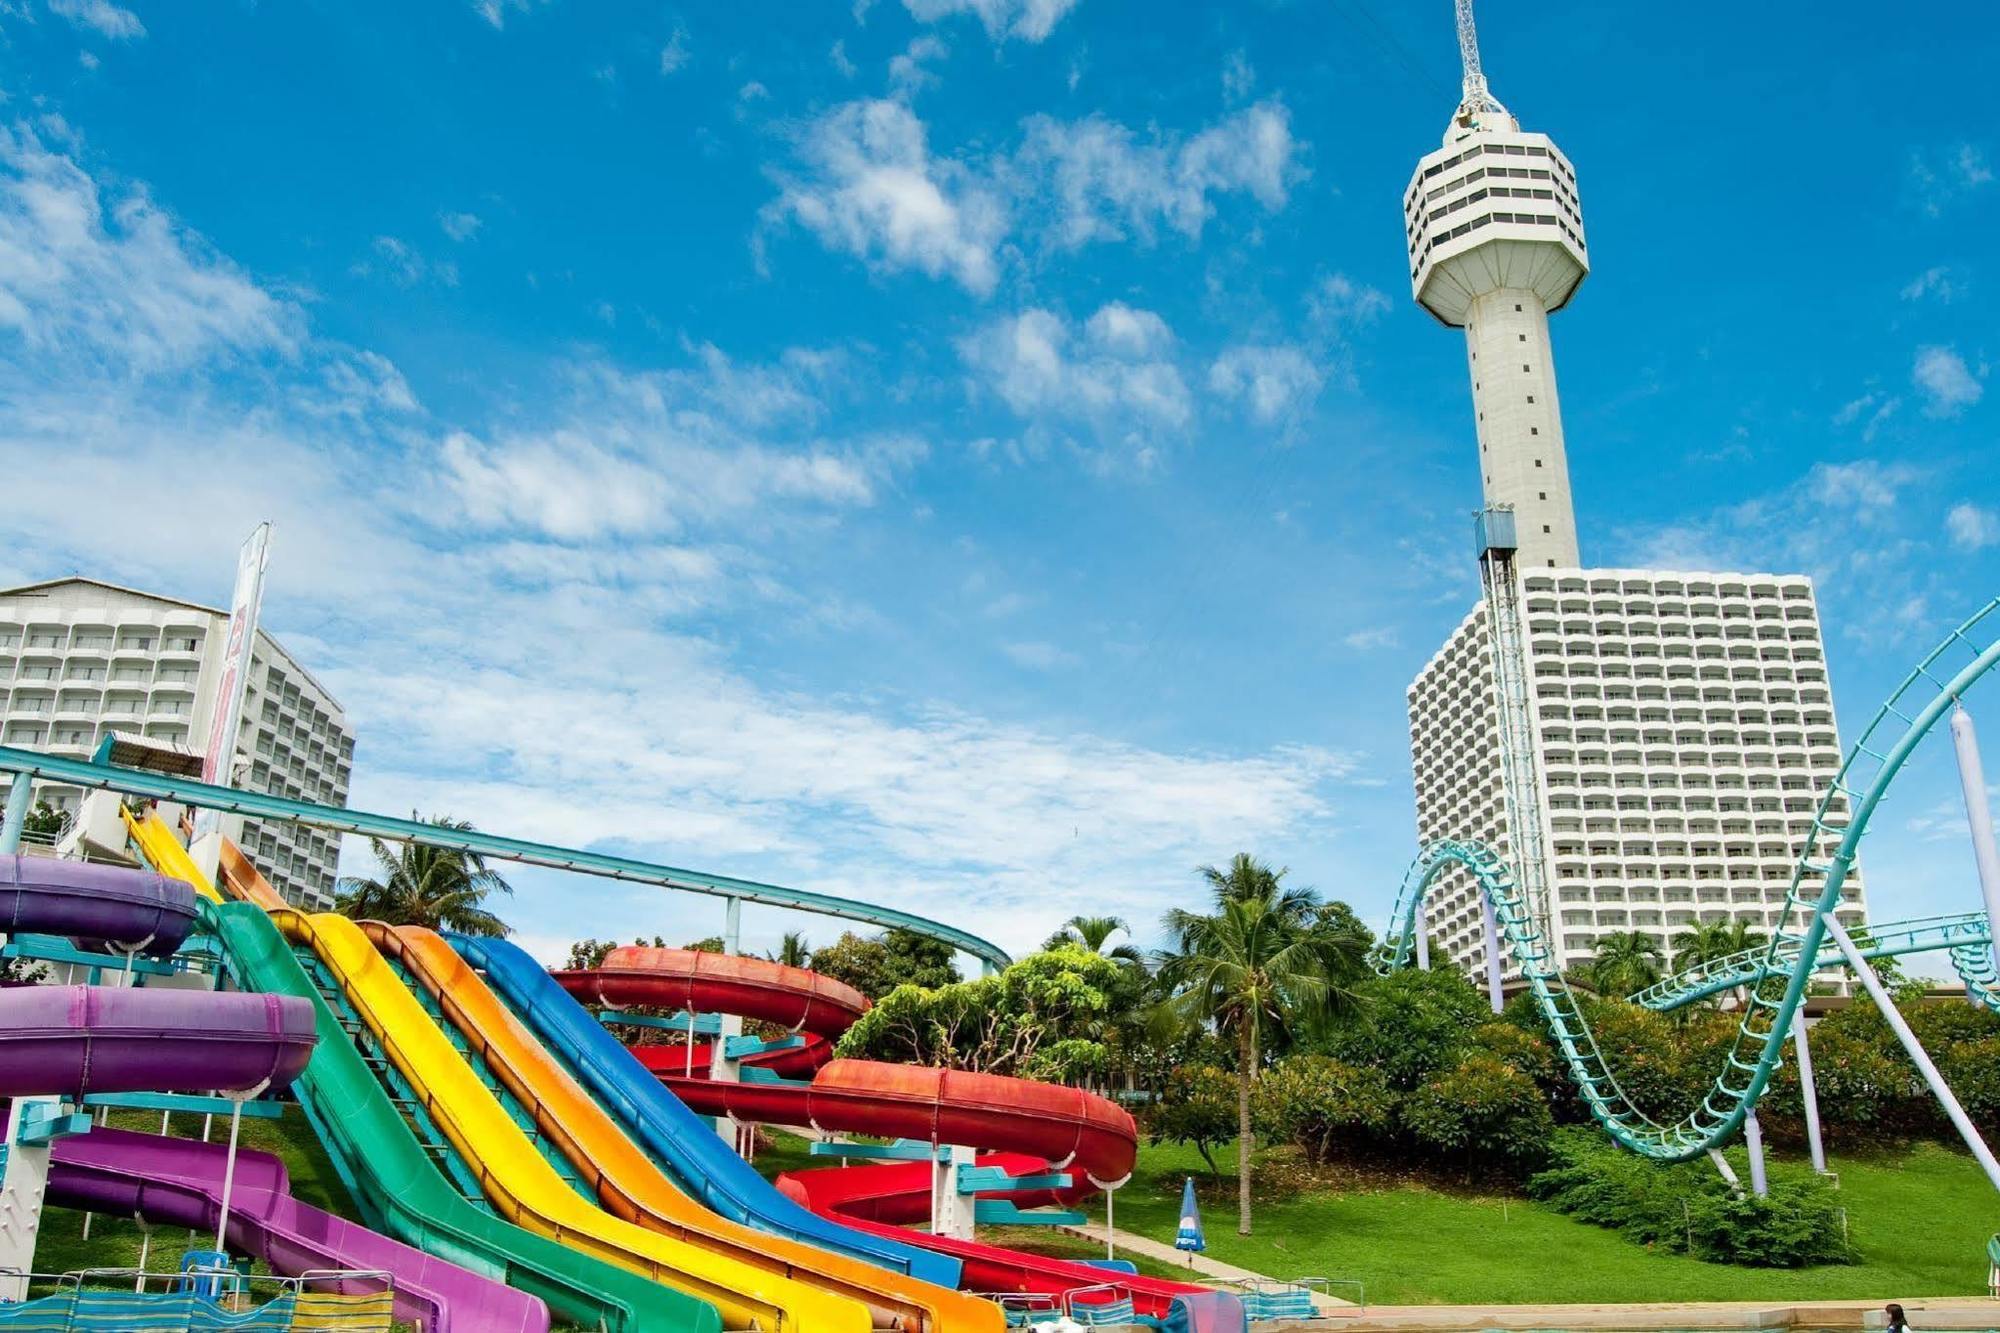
{"points": [[1979, 816], [22, 1192], [1494, 996], [16, 818], [1918, 1056], [1808, 1090], [236, 1100], [722, 1067], [1418, 924]]}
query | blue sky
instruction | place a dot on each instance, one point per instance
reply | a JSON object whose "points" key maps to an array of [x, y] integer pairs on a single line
{"points": [[975, 454]]}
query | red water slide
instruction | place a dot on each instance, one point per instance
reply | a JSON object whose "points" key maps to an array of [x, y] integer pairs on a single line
{"points": [[1029, 1127]]}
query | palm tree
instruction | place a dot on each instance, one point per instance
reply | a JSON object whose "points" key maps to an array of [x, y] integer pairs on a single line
{"points": [[442, 888], [1250, 967], [792, 950], [1091, 932], [1627, 961], [1713, 941]]}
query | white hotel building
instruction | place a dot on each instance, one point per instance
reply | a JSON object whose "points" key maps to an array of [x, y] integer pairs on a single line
{"points": [[80, 659], [1679, 725], [1683, 738]]}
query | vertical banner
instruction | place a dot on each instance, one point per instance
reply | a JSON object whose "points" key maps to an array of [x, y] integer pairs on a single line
{"points": [[226, 716]]}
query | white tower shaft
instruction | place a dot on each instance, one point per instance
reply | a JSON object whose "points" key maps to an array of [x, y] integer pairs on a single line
{"points": [[1522, 463]]}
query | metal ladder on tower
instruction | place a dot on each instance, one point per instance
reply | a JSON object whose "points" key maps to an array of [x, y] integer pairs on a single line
{"points": [[1513, 702]]}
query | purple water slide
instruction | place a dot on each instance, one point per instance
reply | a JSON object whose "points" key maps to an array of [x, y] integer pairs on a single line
{"points": [[71, 1040], [178, 1182], [136, 908]]}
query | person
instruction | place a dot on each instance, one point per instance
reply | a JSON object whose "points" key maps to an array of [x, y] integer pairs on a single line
{"points": [[1898, 1322]]}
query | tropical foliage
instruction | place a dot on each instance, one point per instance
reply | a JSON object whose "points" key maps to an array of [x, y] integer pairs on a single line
{"points": [[442, 888], [1624, 962], [877, 964]]}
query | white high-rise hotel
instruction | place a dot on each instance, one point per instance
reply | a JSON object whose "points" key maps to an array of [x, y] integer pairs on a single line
{"points": [[81, 660], [1679, 726]]}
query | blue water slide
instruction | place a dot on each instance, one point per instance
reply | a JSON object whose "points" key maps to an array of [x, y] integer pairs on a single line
{"points": [[683, 1143]]}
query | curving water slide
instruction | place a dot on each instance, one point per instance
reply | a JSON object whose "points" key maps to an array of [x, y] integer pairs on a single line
{"points": [[619, 1174], [1031, 1124]]}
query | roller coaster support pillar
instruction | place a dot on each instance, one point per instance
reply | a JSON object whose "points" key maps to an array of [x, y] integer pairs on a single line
{"points": [[1808, 1090], [1979, 815], [1493, 992], [1753, 1139], [16, 818], [1939, 1088], [1423, 937]]}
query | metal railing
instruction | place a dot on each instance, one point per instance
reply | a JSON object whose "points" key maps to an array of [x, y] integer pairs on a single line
{"points": [[126, 1300]]}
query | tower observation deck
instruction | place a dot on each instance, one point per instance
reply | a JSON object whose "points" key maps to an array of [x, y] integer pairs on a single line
{"points": [[1496, 244]]}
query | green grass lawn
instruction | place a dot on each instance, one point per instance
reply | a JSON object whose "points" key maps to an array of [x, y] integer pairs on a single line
{"points": [[1920, 1220]]}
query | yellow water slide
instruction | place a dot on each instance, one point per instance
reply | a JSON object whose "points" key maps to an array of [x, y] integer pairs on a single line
{"points": [[626, 1181], [163, 851], [523, 1188]]}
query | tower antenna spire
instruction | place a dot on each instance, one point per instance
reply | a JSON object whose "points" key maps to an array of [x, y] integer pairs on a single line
{"points": [[1474, 100]]}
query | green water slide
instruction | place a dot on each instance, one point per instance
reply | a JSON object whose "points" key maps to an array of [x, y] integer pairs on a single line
{"points": [[412, 1188]]}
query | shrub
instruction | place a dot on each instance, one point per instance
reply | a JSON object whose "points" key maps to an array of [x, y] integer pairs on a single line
{"points": [[1198, 1107], [1315, 1102], [1483, 1111], [1796, 1224], [1685, 1207]]}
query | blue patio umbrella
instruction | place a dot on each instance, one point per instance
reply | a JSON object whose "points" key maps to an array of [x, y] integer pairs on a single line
{"points": [[1190, 1237]]}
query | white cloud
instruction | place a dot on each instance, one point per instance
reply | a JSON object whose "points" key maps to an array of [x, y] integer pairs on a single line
{"points": [[873, 188], [674, 55], [1339, 304], [1940, 178], [495, 12], [878, 193], [403, 264], [1948, 385], [122, 284], [1275, 381], [1972, 527], [1367, 640], [907, 71], [1030, 20], [838, 55], [1239, 77], [1096, 180], [1939, 281], [101, 17], [460, 226], [1872, 409], [1866, 487], [1117, 374]]}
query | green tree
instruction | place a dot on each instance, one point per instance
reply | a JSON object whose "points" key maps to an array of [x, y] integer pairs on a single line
{"points": [[442, 888], [1093, 932], [1043, 1017], [1197, 1106], [1313, 1102], [1411, 1024], [1251, 967], [589, 955], [44, 822], [876, 965], [1713, 941], [1624, 961], [792, 950]]}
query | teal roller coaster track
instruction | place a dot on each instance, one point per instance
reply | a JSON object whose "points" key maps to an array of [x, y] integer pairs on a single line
{"points": [[1775, 985]]}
